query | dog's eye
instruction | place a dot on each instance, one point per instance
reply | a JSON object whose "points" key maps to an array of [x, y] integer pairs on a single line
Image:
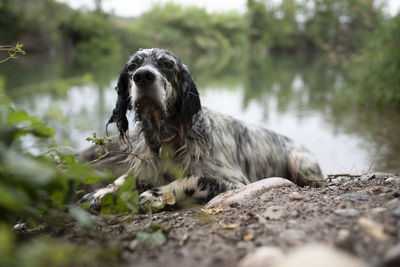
{"points": [[168, 65], [132, 67]]}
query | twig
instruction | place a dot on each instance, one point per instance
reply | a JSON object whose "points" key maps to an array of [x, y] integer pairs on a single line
{"points": [[12, 51], [330, 176], [117, 152]]}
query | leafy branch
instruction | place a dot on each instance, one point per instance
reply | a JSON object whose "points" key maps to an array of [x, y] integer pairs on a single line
{"points": [[103, 143], [12, 51]]}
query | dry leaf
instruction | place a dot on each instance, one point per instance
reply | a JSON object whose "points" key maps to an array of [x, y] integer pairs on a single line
{"points": [[231, 226], [248, 237], [168, 198], [213, 210], [373, 228]]}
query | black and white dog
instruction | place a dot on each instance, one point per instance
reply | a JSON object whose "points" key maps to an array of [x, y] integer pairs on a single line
{"points": [[178, 146]]}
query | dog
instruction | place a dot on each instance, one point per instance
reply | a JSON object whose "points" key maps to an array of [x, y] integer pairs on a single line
{"points": [[179, 146]]}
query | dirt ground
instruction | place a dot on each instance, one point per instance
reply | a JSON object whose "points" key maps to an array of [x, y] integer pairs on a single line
{"points": [[359, 216]]}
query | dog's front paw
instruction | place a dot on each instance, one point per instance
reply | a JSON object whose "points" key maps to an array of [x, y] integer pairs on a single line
{"points": [[156, 199], [150, 201], [95, 197]]}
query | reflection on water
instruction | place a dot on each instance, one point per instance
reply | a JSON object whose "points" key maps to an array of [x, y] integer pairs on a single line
{"points": [[300, 97]]}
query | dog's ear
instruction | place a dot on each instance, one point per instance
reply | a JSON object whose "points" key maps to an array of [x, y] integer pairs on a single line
{"points": [[190, 100], [123, 104]]}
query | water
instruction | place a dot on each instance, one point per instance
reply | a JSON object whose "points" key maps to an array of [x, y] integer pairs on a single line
{"points": [[300, 97]]}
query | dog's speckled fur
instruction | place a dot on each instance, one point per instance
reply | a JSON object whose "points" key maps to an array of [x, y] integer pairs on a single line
{"points": [[212, 152]]}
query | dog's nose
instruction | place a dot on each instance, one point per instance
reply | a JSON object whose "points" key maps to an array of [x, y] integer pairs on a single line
{"points": [[144, 77]]}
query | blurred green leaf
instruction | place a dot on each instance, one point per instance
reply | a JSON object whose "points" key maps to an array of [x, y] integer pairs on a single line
{"points": [[7, 244], [153, 239], [28, 169], [83, 217]]}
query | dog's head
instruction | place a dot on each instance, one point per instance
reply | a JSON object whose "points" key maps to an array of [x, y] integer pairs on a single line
{"points": [[160, 89]]}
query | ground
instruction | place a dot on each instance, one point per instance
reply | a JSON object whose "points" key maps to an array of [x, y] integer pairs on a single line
{"points": [[360, 216]]}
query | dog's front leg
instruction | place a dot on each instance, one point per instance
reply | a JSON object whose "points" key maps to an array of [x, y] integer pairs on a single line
{"points": [[95, 197], [200, 189]]}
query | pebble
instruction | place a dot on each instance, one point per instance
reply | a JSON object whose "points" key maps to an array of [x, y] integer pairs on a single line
{"points": [[292, 236], [392, 256], [396, 213], [318, 255], [348, 213], [344, 240], [374, 229], [294, 214], [377, 210], [376, 175], [394, 203], [262, 257], [355, 196], [393, 180], [274, 212], [295, 196]]}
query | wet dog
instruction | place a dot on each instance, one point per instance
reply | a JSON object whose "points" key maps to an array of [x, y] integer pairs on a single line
{"points": [[181, 147]]}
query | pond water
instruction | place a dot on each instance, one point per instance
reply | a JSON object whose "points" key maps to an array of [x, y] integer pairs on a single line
{"points": [[298, 96]]}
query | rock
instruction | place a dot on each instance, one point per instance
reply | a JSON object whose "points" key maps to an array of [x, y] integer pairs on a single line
{"points": [[355, 196], [376, 175], [392, 256], [373, 228], [394, 203], [247, 192], [348, 213], [262, 257], [396, 213], [294, 214], [343, 234], [292, 236], [274, 213], [295, 196], [377, 210], [344, 240], [393, 180], [319, 255]]}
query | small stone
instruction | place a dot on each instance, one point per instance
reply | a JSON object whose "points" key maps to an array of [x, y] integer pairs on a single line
{"points": [[392, 256], [355, 196], [318, 255], [396, 213], [296, 196], [394, 203], [294, 214], [392, 179], [133, 245], [377, 210], [343, 234], [374, 229], [344, 240], [376, 175], [292, 236], [274, 213], [348, 213], [262, 257]]}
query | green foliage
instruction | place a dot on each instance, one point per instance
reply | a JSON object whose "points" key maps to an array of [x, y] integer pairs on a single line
{"points": [[328, 25], [187, 29], [89, 34], [375, 75], [154, 237], [46, 251], [342, 25], [123, 201], [30, 185]]}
